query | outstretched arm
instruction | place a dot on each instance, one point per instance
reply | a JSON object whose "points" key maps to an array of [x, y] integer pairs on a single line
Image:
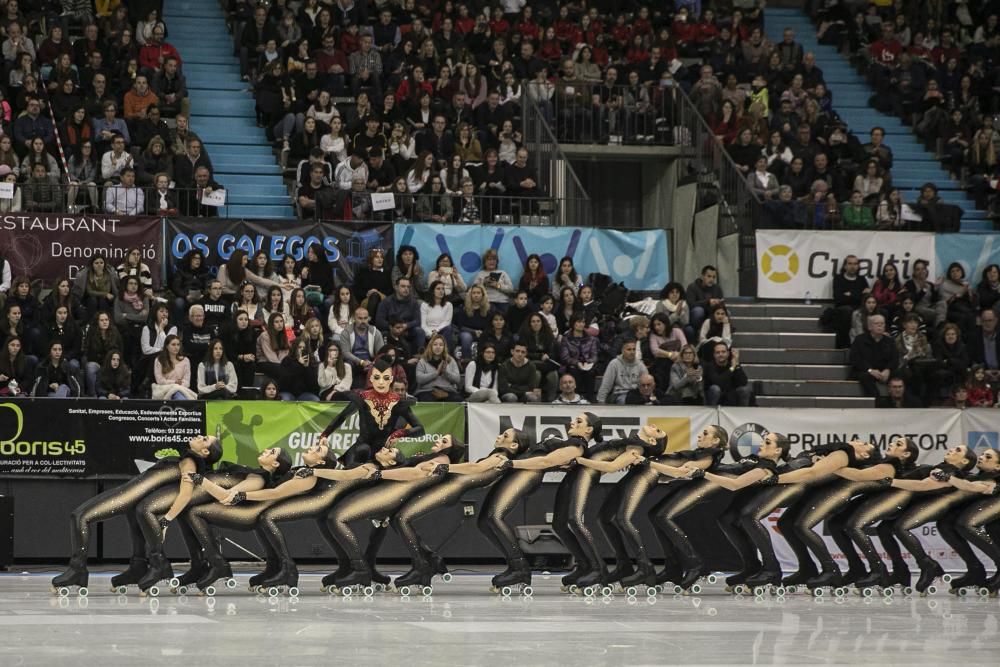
{"points": [[748, 478], [360, 472], [987, 488], [414, 428], [629, 457], [825, 466], [489, 463], [293, 487], [410, 474], [184, 492], [873, 474], [928, 484], [251, 483], [338, 421], [558, 458]]}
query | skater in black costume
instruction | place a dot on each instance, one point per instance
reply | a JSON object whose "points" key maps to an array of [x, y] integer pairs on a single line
{"points": [[461, 477], [200, 455], [523, 479]]}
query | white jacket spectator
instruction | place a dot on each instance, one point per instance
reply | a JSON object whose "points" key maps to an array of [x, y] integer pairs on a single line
{"points": [[115, 160], [125, 199], [484, 388], [329, 380], [348, 170], [435, 318], [205, 388]]}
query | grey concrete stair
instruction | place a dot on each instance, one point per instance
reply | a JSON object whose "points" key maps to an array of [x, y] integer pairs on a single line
{"points": [[814, 402], [801, 341], [790, 357], [740, 309], [845, 388], [836, 372], [778, 325]]}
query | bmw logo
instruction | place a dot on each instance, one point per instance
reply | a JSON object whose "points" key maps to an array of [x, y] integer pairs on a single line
{"points": [[746, 439]]}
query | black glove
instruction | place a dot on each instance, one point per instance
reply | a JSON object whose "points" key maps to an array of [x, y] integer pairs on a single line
{"points": [[697, 473], [440, 469], [376, 476], [641, 464], [885, 481], [240, 497], [305, 472], [196, 478], [940, 475]]}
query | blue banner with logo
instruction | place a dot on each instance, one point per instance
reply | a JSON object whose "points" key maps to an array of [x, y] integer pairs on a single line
{"points": [[639, 259], [973, 251]]}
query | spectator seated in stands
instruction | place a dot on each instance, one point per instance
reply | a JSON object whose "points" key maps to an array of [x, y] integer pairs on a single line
{"points": [[520, 381], [438, 375], [40, 193], [621, 376], [216, 374], [703, 294], [646, 393], [873, 357], [125, 198], [482, 376], [984, 345], [170, 87], [193, 199], [298, 380], [567, 392], [898, 396], [114, 161], [360, 342], [724, 380]]}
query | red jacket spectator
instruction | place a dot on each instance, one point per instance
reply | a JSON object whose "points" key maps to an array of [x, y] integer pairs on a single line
{"points": [[566, 31], [684, 32], [152, 55], [941, 54], [324, 60], [707, 31], [550, 51], [465, 24], [981, 396], [500, 27], [622, 33], [528, 29], [886, 53], [636, 55]]}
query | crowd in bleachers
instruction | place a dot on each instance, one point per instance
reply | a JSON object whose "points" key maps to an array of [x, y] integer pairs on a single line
{"points": [[291, 327], [920, 341], [94, 112]]}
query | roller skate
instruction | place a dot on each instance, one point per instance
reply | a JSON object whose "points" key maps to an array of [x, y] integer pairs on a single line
{"points": [[518, 580], [329, 580], [197, 570], [688, 584], [735, 583], [644, 578], [286, 578], [595, 582], [623, 568], [417, 579], [972, 582], [670, 574], [763, 582], [993, 585], [829, 580], [75, 575], [358, 579], [270, 567], [220, 570], [929, 571], [796, 579], [570, 579], [137, 568], [505, 573], [851, 576], [869, 585], [438, 567], [901, 577], [159, 570]]}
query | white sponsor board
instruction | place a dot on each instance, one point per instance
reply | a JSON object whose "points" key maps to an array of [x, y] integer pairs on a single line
{"points": [[801, 264], [486, 421]]}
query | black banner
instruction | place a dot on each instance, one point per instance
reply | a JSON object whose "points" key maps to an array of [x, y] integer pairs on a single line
{"points": [[88, 437], [346, 246]]}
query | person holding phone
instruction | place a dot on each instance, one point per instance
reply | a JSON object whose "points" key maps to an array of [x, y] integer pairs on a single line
{"points": [[495, 280]]}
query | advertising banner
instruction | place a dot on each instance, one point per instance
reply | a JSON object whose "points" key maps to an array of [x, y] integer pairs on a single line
{"points": [[973, 251], [345, 246], [639, 259], [802, 264], [487, 420], [53, 245], [89, 437], [247, 428], [933, 431]]}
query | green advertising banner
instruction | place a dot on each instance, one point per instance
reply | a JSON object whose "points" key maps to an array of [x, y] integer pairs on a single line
{"points": [[248, 427]]}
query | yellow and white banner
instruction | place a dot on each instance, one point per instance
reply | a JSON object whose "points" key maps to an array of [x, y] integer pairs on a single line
{"points": [[802, 264], [485, 421]]}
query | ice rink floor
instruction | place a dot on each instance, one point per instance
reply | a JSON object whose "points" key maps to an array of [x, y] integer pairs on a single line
{"points": [[463, 624]]}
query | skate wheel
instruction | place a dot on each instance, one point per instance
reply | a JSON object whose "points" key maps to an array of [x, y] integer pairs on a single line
{"points": [[589, 591], [210, 591], [272, 592], [607, 591], [427, 591], [631, 591], [506, 591], [293, 592], [369, 591], [181, 590], [818, 592], [932, 590], [887, 593], [174, 582], [379, 588], [791, 590], [867, 592], [63, 591], [527, 591], [651, 592], [83, 592], [740, 589], [573, 589], [347, 592], [962, 592], [154, 591], [404, 591], [840, 591], [779, 590], [447, 577], [677, 589], [711, 579], [907, 590], [231, 583], [946, 578], [759, 591], [983, 591], [695, 589], [120, 590]]}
